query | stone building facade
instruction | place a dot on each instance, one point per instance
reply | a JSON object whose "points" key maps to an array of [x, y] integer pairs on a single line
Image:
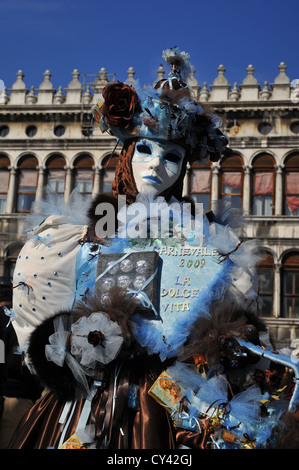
{"points": [[47, 138]]}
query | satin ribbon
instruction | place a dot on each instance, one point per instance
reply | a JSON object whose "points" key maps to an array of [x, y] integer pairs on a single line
{"points": [[69, 407], [68, 412], [184, 416], [10, 313], [143, 297], [112, 420]]}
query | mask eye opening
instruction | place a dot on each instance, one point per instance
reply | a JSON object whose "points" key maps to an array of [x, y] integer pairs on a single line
{"points": [[172, 157], [142, 148]]}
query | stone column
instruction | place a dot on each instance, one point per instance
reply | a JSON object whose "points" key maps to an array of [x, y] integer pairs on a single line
{"points": [[101, 177], [40, 183], [2, 265], [96, 181], [279, 190], [246, 190], [11, 191], [68, 183], [215, 183], [277, 290]]}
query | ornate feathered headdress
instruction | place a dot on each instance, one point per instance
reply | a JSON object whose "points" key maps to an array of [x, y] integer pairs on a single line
{"points": [[181, 59], [162, 113]]}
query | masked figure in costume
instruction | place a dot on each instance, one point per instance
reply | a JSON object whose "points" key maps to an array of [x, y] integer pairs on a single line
{"points": [[148, 347]]}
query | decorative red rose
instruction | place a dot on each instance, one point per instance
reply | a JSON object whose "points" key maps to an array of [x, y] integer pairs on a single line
{"points": [[121, 103]]}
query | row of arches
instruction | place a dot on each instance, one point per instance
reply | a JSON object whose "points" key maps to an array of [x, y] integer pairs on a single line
{"points": [[21, 185], [279, 284], [260, 159], [54, 158], [262, 189]]}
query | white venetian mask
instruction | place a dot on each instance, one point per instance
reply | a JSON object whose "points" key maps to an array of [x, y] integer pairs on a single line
{"points": [[156, 165]]}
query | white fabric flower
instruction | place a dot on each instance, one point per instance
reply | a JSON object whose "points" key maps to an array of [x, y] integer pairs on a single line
{"points": [[107, 339]]}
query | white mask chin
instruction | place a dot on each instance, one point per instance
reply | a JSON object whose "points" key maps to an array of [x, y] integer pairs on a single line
{"points": [[156, 166]]}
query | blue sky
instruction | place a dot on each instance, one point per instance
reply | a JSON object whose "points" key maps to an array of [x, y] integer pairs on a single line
{"points": [[37, 35]]}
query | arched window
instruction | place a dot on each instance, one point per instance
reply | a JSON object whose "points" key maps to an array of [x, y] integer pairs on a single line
{"points": [[4, 131], [265, 271], [291, 185], [200, 178], [231, 180], [59, 131], [233, 128], [264, 128], [4, 180], [263, 183], [295, 127], [55, 174], [31, 131], [290, 286], [108, 172], [27, 181], [83, 174]]}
